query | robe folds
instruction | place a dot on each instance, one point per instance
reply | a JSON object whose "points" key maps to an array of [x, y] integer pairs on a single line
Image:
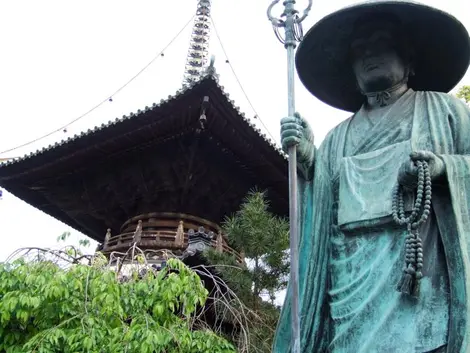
{"points": [[441, 124]]}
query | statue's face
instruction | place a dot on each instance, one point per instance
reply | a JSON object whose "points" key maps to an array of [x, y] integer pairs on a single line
{"points": [[375, 60]]}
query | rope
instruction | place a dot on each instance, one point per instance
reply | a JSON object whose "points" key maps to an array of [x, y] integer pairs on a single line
{"points": [[238, 81], [108, 98]]}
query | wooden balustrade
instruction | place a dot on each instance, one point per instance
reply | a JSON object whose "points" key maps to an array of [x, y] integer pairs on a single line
{"points": [[155, 231]]}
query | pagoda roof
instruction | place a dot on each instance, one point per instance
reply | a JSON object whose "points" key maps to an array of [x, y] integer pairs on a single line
{"points": [[164, 158]]}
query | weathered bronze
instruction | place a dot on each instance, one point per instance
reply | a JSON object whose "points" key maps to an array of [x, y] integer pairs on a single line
{"points": [[385, 200], [293, 33]]}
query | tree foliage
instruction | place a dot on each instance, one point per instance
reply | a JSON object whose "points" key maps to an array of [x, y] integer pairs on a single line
{"points": [[264, 239], [87, 308], [65, 301], [464, 93]]}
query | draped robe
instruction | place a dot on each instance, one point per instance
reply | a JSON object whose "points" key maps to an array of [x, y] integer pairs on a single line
{"points": [[441, 124]]}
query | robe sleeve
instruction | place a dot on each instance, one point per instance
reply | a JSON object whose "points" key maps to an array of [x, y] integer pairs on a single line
{"points": [[451, 142], [459, 121]]}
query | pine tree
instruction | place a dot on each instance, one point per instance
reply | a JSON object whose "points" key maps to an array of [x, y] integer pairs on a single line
{"points": [[264, 240]]}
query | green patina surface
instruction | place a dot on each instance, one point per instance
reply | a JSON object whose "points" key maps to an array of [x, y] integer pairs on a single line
{"points": [[351, 255], [371, 280]]}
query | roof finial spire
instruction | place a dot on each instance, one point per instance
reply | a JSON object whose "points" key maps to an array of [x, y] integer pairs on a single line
{"points": [[199, 43]]}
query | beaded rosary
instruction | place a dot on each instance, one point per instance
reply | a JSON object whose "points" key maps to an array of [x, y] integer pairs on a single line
{"points": [[412, 272]]}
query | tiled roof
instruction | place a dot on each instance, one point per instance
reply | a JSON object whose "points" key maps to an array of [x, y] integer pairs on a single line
{"points": [[162, 102], [101, 160]]}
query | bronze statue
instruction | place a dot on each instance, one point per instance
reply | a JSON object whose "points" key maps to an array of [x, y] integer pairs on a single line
{"points": [[385, 200]]}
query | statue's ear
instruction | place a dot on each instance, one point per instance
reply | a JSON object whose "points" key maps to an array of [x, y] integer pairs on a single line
{"points": [[410, 58], [358, 88], [410, 70]]}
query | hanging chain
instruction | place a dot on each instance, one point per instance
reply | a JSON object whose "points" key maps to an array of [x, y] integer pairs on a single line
{"points": [[412, 271]]}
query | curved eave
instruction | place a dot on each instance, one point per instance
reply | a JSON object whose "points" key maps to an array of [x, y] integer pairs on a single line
{"points": [[229, 128], [95, 133]]}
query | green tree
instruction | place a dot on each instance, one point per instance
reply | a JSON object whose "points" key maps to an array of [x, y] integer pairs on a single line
{"points": [[264, 239], [66, 235], [464, 93], [87, 308], [75, 251]]}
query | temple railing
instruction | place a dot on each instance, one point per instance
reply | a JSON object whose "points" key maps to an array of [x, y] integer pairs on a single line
{"points": [[176, 232]]}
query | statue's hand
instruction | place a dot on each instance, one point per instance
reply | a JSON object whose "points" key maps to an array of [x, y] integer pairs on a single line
{"points": [[407, 174], [295, 131]]}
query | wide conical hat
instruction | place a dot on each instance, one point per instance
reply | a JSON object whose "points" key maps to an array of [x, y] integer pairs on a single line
{"points": [[441, 48]]}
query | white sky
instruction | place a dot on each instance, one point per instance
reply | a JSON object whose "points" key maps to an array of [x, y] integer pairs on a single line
{"points": [[60, 58]]}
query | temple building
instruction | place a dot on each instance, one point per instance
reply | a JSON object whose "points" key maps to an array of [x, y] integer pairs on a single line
{"points": [[164, 177], [171, 171]]}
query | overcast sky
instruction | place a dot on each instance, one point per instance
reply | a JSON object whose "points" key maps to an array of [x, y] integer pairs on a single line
{"points": [[61, 58]]}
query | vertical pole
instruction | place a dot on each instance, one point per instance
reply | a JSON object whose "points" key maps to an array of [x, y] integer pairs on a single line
{"points": [[290, 44], [292, 27]]}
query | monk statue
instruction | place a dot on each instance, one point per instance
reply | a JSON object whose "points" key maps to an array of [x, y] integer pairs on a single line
{"points": [[385, 200]]}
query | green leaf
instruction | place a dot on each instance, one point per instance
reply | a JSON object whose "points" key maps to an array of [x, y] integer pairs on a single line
{"points": [[46, 308]]}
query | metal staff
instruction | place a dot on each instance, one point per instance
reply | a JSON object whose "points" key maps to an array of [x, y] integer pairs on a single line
{"points": [[293, 34]]}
